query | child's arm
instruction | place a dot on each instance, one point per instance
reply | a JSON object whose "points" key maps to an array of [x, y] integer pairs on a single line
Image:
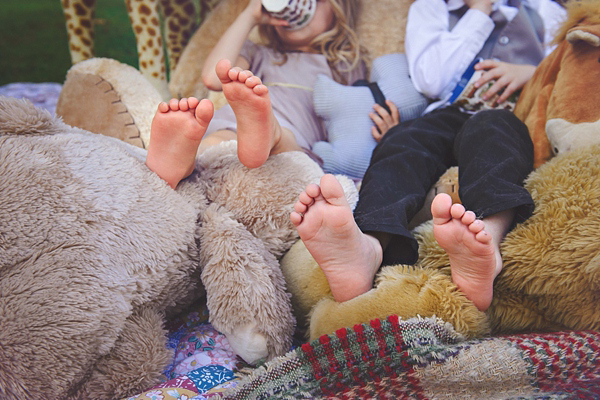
{"points": [[230, 44], [438, 56], [510, 77]]}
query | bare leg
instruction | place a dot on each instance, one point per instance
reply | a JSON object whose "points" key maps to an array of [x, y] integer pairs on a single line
{"points": [[348, 257], [258, 131], [176, 131], [473, 247]]}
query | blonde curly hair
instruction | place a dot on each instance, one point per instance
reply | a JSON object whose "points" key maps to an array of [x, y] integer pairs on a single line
{"points": [[340, 44]]}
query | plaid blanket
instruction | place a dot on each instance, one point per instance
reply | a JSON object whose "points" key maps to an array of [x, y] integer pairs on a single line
{"points": [[425, 359]]}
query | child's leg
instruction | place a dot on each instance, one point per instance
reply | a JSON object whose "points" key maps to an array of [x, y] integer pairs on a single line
{"points": [[473, 247], [176, 131], [258, 131], [348, 257]]}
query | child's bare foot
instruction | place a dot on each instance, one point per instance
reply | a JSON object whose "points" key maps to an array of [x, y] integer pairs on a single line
{"points": [[348, 257], [258, 131], [176, 131], [474, 257]]}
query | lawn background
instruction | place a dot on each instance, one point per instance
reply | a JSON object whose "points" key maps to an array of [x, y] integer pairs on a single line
{"points": [[33, 39]]}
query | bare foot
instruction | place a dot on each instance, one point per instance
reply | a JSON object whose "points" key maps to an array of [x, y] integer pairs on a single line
{"points": [[258, 131], [176, 131], [474, 258], [348, 257]]}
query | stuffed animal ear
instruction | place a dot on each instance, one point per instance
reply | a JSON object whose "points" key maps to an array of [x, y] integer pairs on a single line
{"points": [[589, 34]]}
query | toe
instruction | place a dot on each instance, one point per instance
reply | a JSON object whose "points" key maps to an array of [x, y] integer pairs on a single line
{"points": [[174, 105], [223, 69], [204, 112], [193, 102], [244, 75], [332, 190], [457, 211], [163, 107], [183, 104], [477, 226], [295, 218], [440, 208], [260, 90], [306, 199], [252, 81], [468, 218], [313, 190], [483, 237], [300, 207]]}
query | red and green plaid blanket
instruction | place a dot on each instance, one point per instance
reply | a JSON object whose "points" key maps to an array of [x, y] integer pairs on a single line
{"points": [[424, 359]]}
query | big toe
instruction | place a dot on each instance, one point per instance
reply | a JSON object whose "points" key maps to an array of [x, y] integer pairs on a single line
{"points": [[332, 190], [204, 112], [222, 70], [440, 208]]}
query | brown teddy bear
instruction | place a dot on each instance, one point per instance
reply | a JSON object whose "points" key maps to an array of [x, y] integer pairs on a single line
{"points": [[560, 106]]}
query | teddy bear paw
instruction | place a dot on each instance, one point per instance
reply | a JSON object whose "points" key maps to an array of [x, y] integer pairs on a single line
{"points": [[248, 343]]}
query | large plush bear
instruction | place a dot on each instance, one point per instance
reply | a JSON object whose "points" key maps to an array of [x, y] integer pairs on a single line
{"points": [[96, 251]]}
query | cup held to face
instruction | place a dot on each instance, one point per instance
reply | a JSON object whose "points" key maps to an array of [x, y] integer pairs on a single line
{"points": [[298, 13]]}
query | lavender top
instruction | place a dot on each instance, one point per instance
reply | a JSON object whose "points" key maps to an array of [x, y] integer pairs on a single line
{"points": [[290, 88]]}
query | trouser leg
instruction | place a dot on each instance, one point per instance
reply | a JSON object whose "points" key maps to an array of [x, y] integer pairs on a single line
{"points": [[404, 166], [494, 154]]}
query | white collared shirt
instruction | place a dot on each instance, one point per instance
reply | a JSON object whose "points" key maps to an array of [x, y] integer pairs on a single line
{"points": [[437, 57]]}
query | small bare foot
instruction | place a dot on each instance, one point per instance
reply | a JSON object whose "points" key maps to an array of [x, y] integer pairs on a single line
{"points": [[348, 257], [474, 257], [176, 131], [258, 131]]}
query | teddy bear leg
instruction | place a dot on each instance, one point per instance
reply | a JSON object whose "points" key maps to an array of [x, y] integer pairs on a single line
{"points": [[245, 290], [405, 291], [135, 363], [248, 343], [105, 96], [90, 102]]}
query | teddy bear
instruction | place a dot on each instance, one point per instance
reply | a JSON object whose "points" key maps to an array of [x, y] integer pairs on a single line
{"points": [[559, 126], [97, 252], [550, 277]]}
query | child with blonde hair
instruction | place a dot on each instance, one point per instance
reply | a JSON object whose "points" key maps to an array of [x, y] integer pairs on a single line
{"points": [[270, 110]]}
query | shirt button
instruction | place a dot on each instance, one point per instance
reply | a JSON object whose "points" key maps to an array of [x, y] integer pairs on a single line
{"points": [[503, 40]]}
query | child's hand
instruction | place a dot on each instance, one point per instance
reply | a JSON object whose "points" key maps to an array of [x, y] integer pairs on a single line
{"points": [[260, 16], [383, 120], [510, 77]]}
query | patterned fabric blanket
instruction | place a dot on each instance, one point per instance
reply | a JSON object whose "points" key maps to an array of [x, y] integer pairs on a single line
{"points": [[426, 359]]}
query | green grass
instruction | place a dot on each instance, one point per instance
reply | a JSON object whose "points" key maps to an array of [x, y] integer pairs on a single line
{"points": [[34, 47]]}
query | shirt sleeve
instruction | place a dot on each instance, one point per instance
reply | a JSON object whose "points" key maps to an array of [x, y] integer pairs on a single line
{"points": [[438, 56], [553, 15], [249, 51]]}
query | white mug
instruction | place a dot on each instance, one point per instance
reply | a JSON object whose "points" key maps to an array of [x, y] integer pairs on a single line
{"points": [[298, 13]]}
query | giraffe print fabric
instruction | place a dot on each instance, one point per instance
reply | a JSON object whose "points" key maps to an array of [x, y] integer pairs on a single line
{"points": [[177, 18]]}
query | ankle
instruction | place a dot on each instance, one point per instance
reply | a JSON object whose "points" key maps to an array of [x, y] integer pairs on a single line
{"points": [[376, 251], [283, 140]]}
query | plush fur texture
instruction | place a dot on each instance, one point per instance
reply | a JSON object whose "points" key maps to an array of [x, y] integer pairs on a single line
{"points": [[95, 250], [559, 104]]}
